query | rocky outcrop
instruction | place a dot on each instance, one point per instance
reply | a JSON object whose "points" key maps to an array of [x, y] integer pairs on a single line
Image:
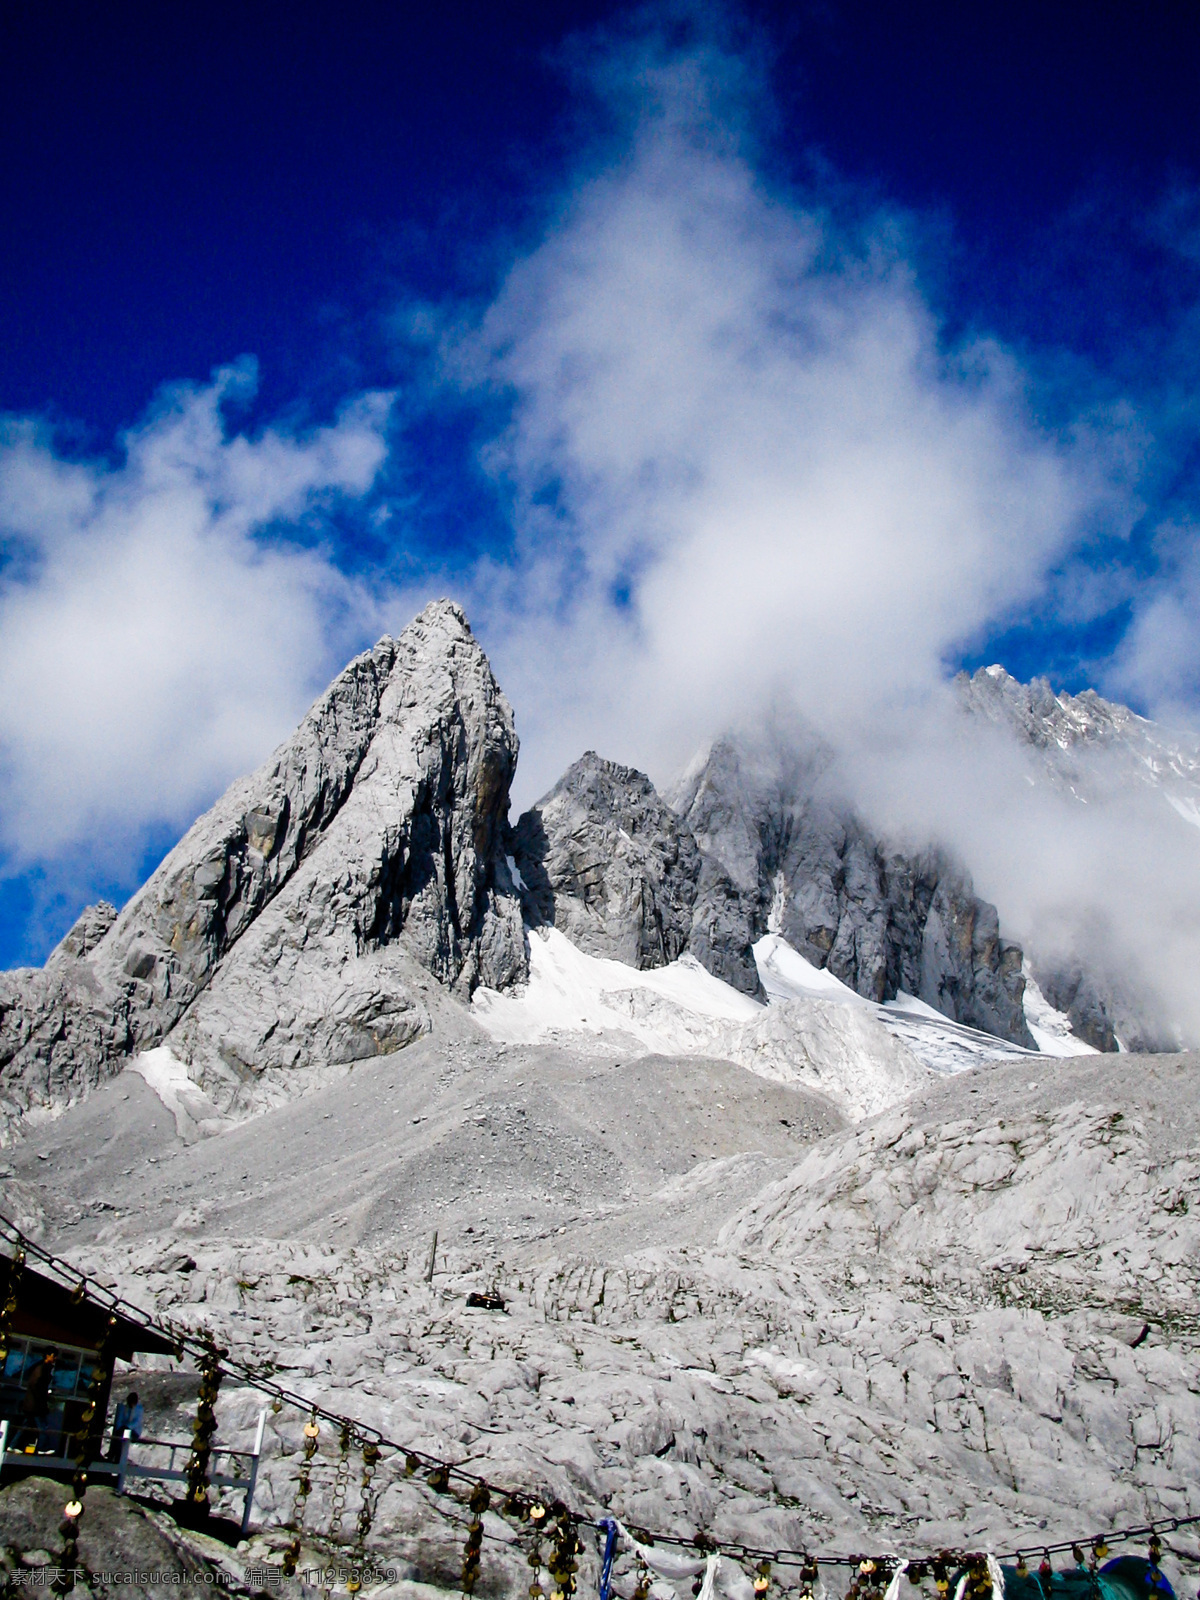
{"points": [[89, 928], [293, 923], [608, 863], [880, 920], [60, 1030]]}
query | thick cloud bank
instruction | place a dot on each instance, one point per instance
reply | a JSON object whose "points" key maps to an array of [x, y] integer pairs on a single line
{"points": [[744, 463], [154, 640], [753, 481]]}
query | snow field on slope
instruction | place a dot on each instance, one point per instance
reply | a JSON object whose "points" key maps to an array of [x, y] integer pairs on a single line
{"points": [[571, 991], [813, 1030], [1050, 1028]]}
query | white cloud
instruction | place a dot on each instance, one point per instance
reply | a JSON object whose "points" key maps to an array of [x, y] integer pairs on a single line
{"points": [[155, 638], [744, 462], [1158, 660], [750, 474]]}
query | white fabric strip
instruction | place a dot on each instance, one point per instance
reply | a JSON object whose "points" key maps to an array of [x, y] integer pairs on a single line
{"points": [[997, 1577], [893, 1588]]}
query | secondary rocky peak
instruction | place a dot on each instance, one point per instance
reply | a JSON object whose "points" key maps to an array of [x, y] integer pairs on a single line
{"points": [[610, 865], [1094, 751]]}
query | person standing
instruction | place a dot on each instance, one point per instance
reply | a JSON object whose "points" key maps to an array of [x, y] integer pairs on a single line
{"points": [[35, 1404], [129, 1414]]}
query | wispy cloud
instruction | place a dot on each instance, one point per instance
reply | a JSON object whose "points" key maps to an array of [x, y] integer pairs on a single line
{"points": [[158, 630]]}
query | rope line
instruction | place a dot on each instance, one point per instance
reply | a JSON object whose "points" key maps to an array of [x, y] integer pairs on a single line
{"points": [[442, 1475]]}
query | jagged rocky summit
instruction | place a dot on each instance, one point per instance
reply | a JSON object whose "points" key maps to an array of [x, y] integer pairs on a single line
{"points": [[294, 923], [745, 848], [883, 922], [609, 864]]}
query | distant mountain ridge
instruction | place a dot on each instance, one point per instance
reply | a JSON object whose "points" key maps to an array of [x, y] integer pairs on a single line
{"points": [[1065, 730], [331, 905], [1093, 750]]}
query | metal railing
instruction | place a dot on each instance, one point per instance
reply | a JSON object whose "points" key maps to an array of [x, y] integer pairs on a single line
{"points": [[126, 1466]]}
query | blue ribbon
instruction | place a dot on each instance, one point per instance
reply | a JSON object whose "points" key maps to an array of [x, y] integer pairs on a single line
{"points": [[610, 1551]]}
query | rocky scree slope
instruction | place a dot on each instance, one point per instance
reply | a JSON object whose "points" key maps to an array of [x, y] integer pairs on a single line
{"points": [[967, 1323], [291, 925]]}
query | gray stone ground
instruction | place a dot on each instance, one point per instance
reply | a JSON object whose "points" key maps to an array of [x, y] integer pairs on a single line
{"points": [[972, 1320], [124, 1548]]}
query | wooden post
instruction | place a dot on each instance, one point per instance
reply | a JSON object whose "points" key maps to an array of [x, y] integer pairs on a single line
{"points": [[249, 1505], [432, 1258]]}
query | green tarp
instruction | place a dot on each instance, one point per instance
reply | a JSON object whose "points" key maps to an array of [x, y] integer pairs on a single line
{"points": [[1126, 1578]]}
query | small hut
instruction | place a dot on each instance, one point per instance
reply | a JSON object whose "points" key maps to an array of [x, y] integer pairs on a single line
{"points": [[44, 1401]]}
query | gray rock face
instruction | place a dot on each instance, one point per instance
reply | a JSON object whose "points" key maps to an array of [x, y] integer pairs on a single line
{"points": [[90, 927], [1068, 730], [879, 920], [290, 926], [59, 1032], [610, 864], [1071, 990]]}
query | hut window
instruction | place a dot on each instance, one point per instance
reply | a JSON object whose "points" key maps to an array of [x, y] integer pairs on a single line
{"points": [[72, 1366]]}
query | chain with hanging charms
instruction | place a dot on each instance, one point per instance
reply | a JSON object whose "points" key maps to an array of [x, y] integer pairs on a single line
{"points": [[979, 1579], [481, 1498], [366, 1512], [1154, 1552], [537, 1524], [941, 1574], [291, 1555], [644, 1579], [204, 1427], [566, 1547], [869, 1581], [341, 1478]]}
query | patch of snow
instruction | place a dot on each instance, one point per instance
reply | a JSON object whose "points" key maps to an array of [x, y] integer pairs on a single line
{"points": [[195, 1115], [915, 1007], [590, 1002], [513, 873], [938, 1043], [815, 1030], [1186, 806], [1054, 1044], [778, 906], [787, 975], [571, 991], [943, 1046], [834, 1045], [1051, 1029]]}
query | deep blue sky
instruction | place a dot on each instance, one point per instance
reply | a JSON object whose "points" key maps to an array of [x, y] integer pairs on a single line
{"points": [[181, 184], [185, 184]]}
